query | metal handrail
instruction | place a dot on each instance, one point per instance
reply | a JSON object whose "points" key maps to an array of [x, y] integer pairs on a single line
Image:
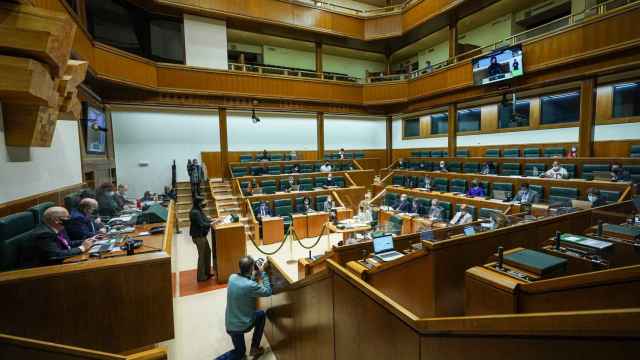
{"points": [[553, 26], [262, 69], [328, 5]]}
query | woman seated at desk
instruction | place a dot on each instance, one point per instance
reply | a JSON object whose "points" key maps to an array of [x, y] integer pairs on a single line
{"points": [[306, 208], [289, 186], [426, 183], [435, 212], [476, 189]]}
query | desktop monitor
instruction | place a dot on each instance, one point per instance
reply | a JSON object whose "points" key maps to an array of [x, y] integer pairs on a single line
{"points": [[382, 244], [426, 235]]}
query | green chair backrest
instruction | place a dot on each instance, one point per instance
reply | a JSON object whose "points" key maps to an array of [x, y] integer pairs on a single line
{"points": [[511, 153], [470, 167], [268, 183], [15, 224], [462, 153], [610, 196], [554, 151], [531, 152], [38, 210], [246, 158], [282, 202], [492, 153]]}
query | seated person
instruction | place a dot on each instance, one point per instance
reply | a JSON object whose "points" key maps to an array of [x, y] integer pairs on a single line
{"points": [[617, 173], [416, 208], [295, 169], [330, 181], [402, 164], [463, 216], [290, 183], [408, 182], [147, 200], [263, 211], [488, 168], [421, 166], [475, 189], [427, 182], [121, 196], [328, 205], [435, 212], [442, 167], [306, 206], [526, 195], [402, 205], [365, 207], [82, 224], [107, 205], [556, 172], [326, 167], [260, 170], [51, 243], [264, 156], [341, 154], [594, 197]]}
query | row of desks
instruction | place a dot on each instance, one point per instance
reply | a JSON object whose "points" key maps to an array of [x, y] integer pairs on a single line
{"points": [[305, 225]]}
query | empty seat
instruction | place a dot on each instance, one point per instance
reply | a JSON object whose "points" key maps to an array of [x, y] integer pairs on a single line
{"points": [[320, 200], [458, 185], [454, 166], [271, 189], [635, 151], [238, 171], [16, 224], [276, 157], [16, 248], [634, 172], [425, 154], [415, 154], [462, 153], [445, 153], [511, 153], [390, 198], [534, 169], [610, 196], [492, 153], [471, 167], [484, 213], [358, 155], [283, 209], [246, 158], [274, 170], [540, 190], [397, 180], [269, 182], [571, 169], [306, 184], [508, 187], [441, 184], [437, 153], [510, 169], [320, 181], [348, 155], [287, 169], [339, 180], [589, 169], [531, 152], [446, 210], [554, 152], [562, 194], [306, 168]]}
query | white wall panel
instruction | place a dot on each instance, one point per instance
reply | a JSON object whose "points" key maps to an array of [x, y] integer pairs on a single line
{"points": [[205, 42], [29, 171], [609, 132], [398, 143], [545, 136], [158, 137], [275, 131], [354, 132]]}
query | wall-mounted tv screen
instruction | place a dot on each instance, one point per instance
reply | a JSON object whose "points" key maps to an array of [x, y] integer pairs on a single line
{"points": [[95, 126], [500, 65]]}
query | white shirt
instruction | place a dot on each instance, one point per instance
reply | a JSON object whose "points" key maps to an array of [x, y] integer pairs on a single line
{"points": [[460, 219], [561, 173], [325, 168]]}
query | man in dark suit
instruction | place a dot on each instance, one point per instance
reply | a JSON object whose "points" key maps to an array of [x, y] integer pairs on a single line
{"points": [[526, 195], [82, 224], [262, 212], [416, 208], [107, 205], [51, 243], [403, 205], [200, 225], [330, 181]]}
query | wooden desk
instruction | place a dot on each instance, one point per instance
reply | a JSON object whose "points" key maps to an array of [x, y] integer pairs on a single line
{"points": [[300, 224], [315, 221], [407, 228], [348, 232], [231, 244], [343, 213], [272, 230], [419, 223]]}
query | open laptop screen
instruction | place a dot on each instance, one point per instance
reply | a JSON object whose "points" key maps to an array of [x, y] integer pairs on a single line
{"points": [[469, 230], [382, 244]]}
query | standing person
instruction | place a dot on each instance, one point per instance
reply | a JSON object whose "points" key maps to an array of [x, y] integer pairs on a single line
{"points": [[189, 169], [121, 196], [241, 315], [198, 230], [196, 178]]}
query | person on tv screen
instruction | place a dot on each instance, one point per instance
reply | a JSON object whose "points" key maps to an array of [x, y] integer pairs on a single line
{"points": [[494, 67]]}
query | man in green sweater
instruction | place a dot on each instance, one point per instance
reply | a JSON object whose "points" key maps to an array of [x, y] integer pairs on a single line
{"points": [[241, 316]]}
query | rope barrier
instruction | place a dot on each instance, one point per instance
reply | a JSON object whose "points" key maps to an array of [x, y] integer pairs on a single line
{"points": [[291, 237], [324, 226]]}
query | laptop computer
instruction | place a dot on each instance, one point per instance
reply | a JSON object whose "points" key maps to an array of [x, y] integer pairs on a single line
{"points": [[581, 204], [469, 230], [383, 248], [426, 235], [501, 194], [602, 175]]}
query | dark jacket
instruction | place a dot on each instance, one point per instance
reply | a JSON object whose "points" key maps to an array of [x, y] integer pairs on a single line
{"points": [[45, 242], [403, 206], [200, 224], [600, 200], [81, 226], [267, 212], [107, 206]]}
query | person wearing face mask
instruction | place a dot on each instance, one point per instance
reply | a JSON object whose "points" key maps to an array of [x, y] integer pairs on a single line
{"points": [[403, 205], [593, 195], [435, 212], [290, 183], [107, 205], [326, 167], [364, 208], [82, 223], [426, 182], [443, 167], [328, 204], [121, 196], [199, 230], [488, 168], [51, 242], [556, 172], [306, 206], [617, 173], [462, 217], [330, 181], [526, 195], [475, 189]]}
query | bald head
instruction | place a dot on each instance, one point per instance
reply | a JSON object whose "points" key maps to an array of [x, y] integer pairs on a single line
{"points": [[87, 205], [54, 216], [246, 265]]}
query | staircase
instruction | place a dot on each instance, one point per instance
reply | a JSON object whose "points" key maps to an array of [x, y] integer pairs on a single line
{"points": [[185, 202], [226, 203]]}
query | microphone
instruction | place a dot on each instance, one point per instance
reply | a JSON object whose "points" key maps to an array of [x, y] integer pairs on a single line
{"points": [[600, 226], [558, 240], [500, 257]]}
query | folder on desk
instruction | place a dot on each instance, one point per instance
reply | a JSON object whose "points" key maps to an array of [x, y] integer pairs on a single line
{"points": [[628, 232], [536, 262], [586, 243]]}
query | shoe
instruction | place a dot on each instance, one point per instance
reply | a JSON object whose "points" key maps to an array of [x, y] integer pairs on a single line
{"points": [[256, 353]]}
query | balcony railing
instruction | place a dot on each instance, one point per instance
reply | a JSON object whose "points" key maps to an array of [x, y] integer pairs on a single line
{"points": [[298, 73], [550, 27], [342, 9]]}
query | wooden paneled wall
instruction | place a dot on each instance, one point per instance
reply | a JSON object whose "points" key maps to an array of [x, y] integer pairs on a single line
{"points": [[22, 204]]}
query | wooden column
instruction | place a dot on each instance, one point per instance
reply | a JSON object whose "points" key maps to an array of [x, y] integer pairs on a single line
{"points": [[389, 140], [587, 117], [319, 58], [320, 134], [453, 112], [453, 34], [224, 144]]}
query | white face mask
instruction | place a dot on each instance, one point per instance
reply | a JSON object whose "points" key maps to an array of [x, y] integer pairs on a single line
{"points": [[591, 198]]}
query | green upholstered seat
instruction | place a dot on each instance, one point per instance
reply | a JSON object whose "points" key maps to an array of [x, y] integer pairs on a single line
{"points": [[276, 157], [425, 154], [531, 152], [18, 252], [238, 171], [529, 169], [494, 153], [274, 170], [269, 189], [554, 152], [589, 169], [437, 153], [454, 166], [358, 155], [284, 212], [610, 196], [634, 151], [511, 153], [441, 184], [299, 203], [416, 154], [462, 153], [445, 153], [484, 213], [470, 167], [287, 169], [446, 207], [306, 184], [320, 181], [397, 180], [327, 156], [540, 190], [269, 182], [348, 155], [390, 198], [458, 185], [339, 180], [394, 225], [501, 186], [282, 202], [634, 172], [559, 194], [306, 168], [38, 210], [510, 169], [319, 202], [246, 158], [16, 224], [571, 169]]}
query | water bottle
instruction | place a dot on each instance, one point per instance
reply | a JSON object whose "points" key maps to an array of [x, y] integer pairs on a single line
{"points": [[535, 171]]}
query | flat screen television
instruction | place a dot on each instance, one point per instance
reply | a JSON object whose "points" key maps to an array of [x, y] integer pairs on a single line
{"points": [[95, 130], [500, 65]]}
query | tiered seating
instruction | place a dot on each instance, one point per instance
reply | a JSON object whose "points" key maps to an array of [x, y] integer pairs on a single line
{"points": [[511, 153], [589, 169], [510, 169], [492, 153], [554, 152], [462, 153], [531, 152], [562, 194], [635, 151]]}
